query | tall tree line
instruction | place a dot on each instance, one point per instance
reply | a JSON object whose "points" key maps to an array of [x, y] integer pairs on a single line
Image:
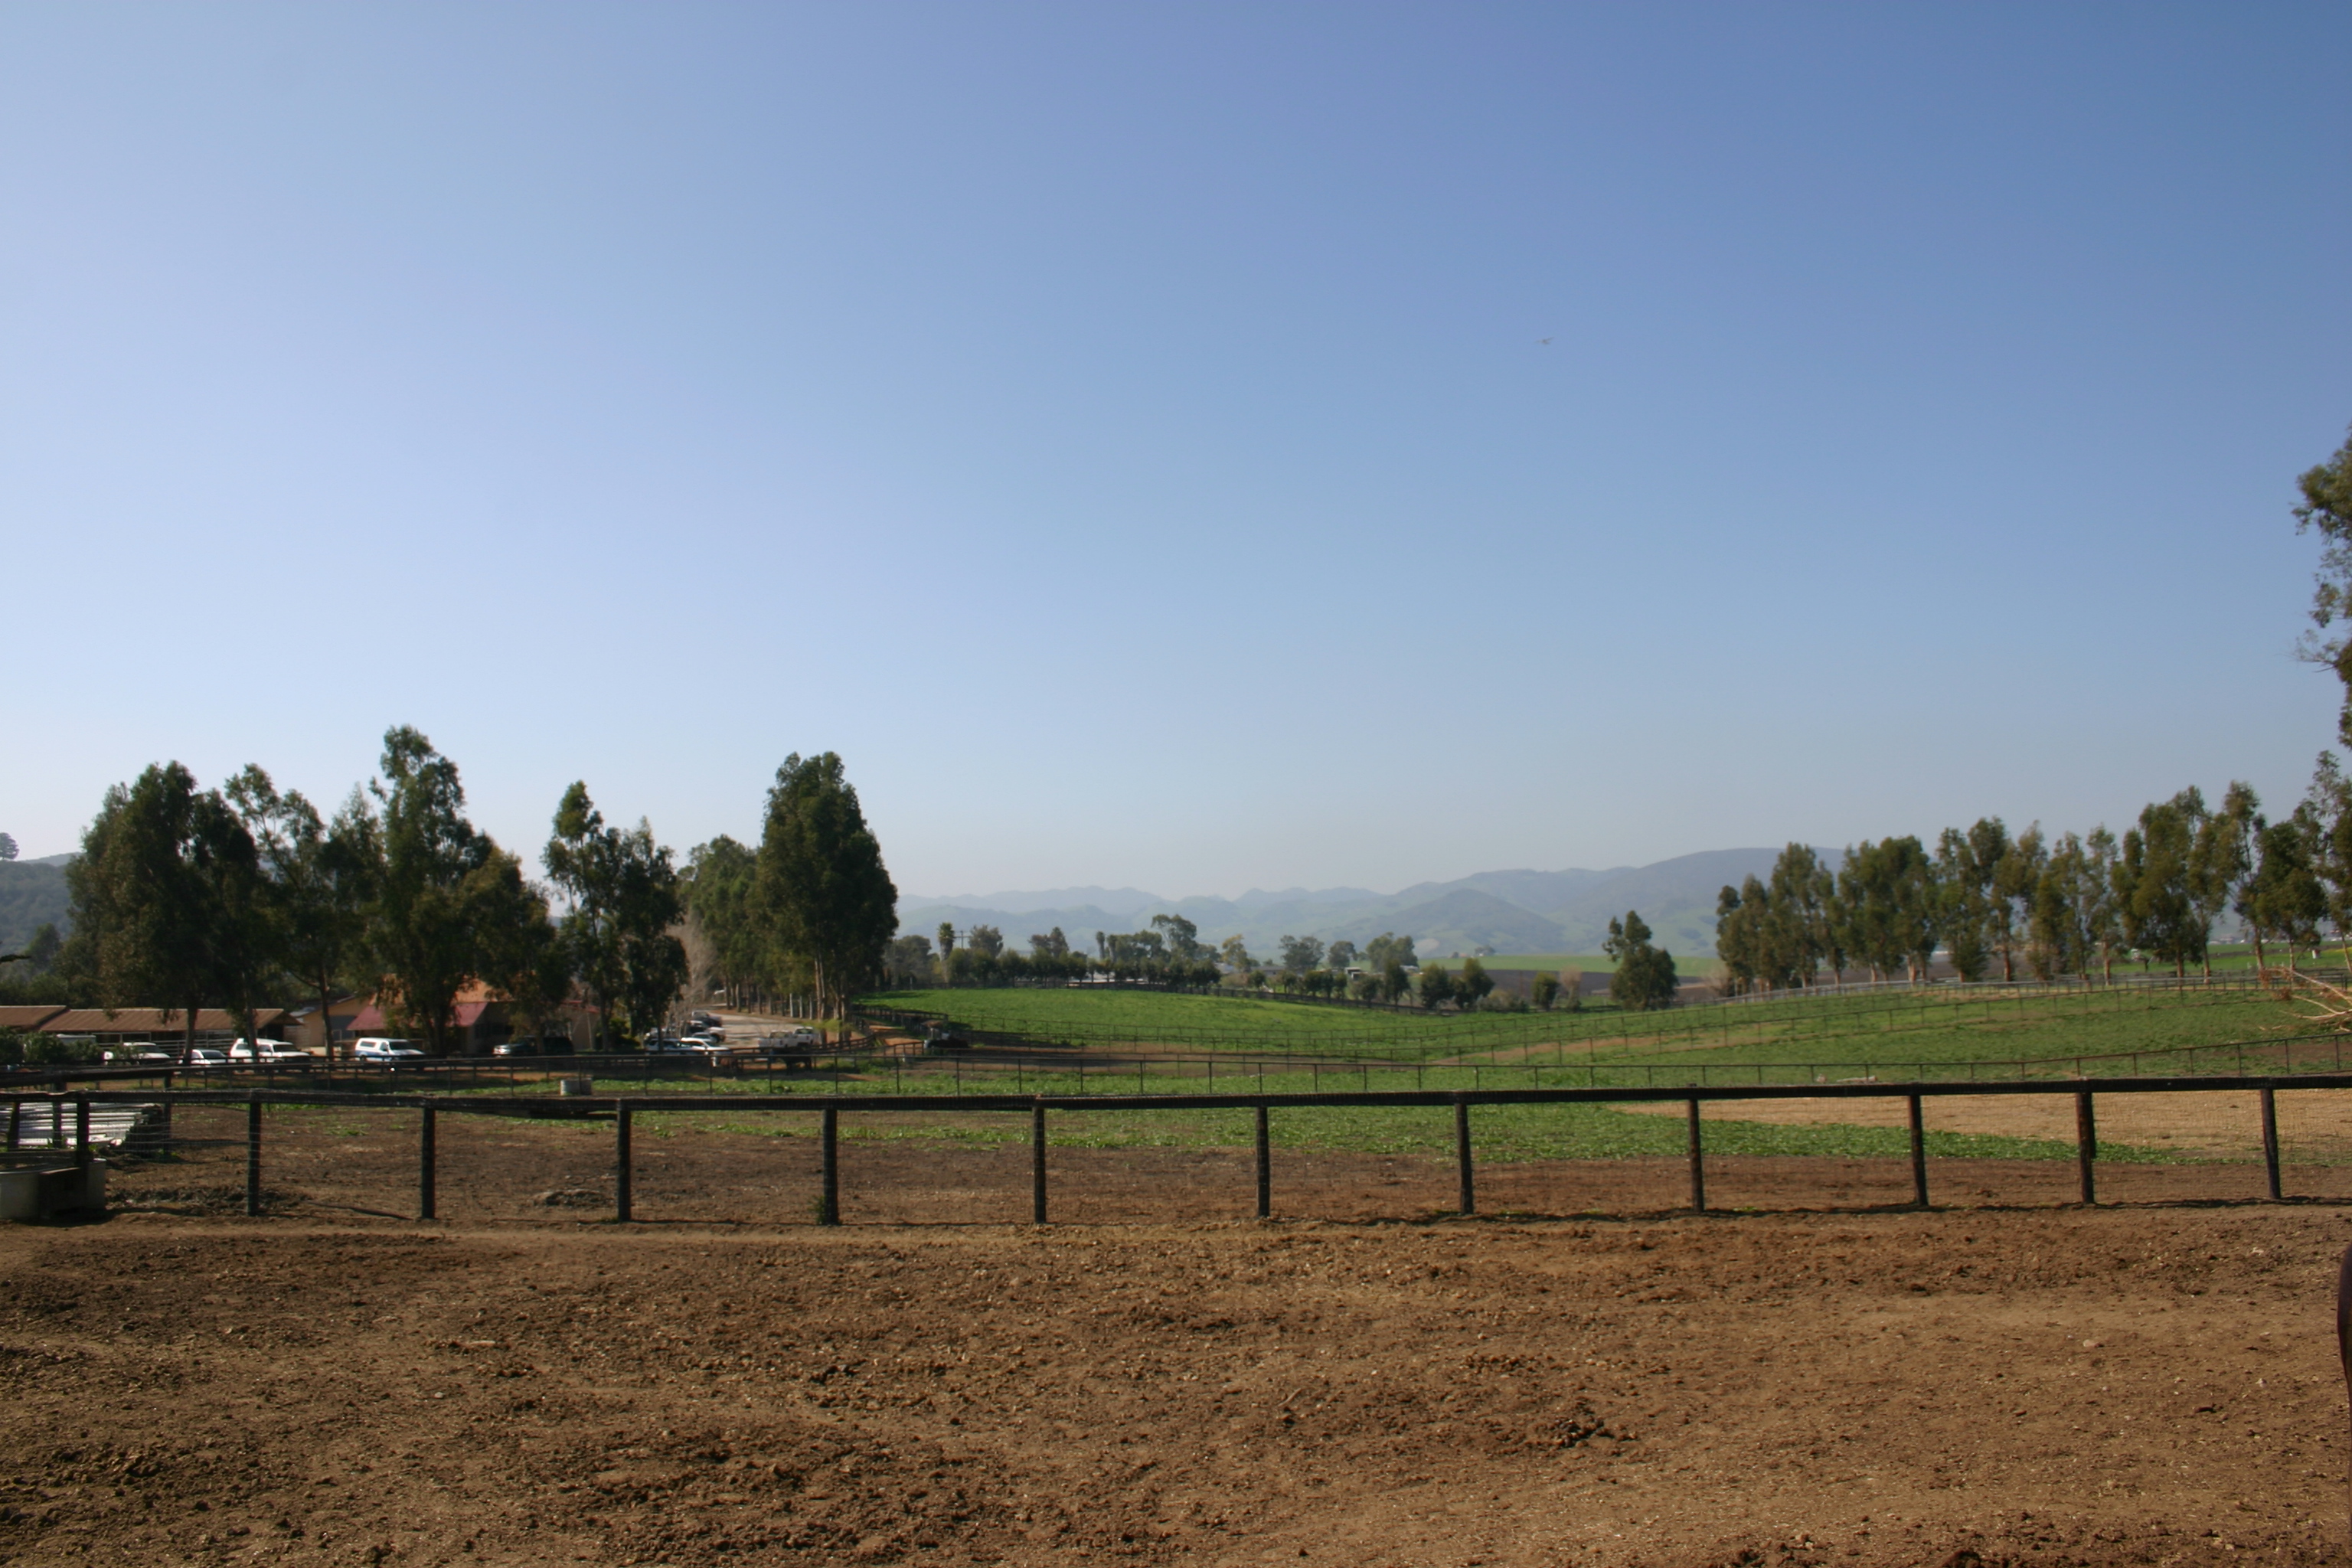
{"points": [[811, 911], [1994, 901], [243, 895]]}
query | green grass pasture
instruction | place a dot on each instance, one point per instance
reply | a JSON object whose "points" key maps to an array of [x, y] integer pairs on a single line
{"points": [[1936, 1031]]}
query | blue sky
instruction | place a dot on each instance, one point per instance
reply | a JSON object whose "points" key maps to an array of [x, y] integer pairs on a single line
{"points": [[1122, 432]]}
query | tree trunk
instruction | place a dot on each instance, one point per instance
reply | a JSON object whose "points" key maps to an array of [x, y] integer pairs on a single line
{"points": [[188, 1036], [2262, 969], [326, 1023]]}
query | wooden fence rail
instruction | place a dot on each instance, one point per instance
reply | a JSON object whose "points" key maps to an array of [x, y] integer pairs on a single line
{"points": [[830, 1108]]}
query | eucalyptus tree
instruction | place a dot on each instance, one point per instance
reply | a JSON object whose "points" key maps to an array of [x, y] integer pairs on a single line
{"points": [[321, 876], [2156, 881], [2328, 806], [2283, 896], [906, 962], [1735, 931], [1183, 937], [1805, 893], [624, 898], [519, 950], [1966, 864], [2072, 918], [717, 891], [2016, 872], [1301, 953], [1890, 893], [424, 922], [1645, 973], [2328, 507], [2055, 940], [822, 880], [166, 895], [1763, 937], [2221, 857]]}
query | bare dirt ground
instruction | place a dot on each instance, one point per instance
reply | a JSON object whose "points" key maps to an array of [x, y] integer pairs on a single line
{"points": [[2315, 1122], [1153, 1380]]}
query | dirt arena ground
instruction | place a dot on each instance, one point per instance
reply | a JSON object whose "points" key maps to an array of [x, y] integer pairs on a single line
{"points": [[1154, 1379], [2317, 1123]]}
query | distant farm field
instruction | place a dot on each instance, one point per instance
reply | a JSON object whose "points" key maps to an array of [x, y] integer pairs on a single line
{"points": [[1936, 1031]]}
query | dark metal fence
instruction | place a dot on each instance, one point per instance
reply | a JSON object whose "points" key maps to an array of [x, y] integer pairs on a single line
{"points": [[55, 1112]]}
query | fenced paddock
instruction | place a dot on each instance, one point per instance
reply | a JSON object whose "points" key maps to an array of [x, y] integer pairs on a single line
{"points": [[849, 1158]]}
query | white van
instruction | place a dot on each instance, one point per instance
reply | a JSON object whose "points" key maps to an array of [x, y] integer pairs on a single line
{"points": [[376, 1048]]}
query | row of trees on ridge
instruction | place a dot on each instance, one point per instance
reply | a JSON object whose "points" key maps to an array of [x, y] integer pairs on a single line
{"points": [[243, 896]]}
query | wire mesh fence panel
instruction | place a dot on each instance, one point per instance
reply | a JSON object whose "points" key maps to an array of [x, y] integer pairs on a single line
{"points": [[2314, 1140], [518, 1168], [929, 1169], [1176, 1154], [1562, 1187], [198, 1168], [756, 1166], [358, 1160]]}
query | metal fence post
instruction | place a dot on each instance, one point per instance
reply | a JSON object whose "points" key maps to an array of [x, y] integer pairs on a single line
{"points": [[1469, 1193], [425, 1162], [253, 1157], [1264, 1168], [828, 1208], [1698, 1160], [81, 1133], [1918, 1154], [623, 1207], [2086, 1143], [2270, 1140], [1036, 1161]]}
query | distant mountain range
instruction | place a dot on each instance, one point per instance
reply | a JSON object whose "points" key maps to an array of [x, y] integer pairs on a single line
{"points": [[1509, 911]]}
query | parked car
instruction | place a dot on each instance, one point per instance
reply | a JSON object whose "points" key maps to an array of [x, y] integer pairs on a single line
{"points": [[515, 1048], [702, 1022], [205, 1056], [267, 1052], [703, 1044], [661, 1043], [377, 1048], [138, 1053]]}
